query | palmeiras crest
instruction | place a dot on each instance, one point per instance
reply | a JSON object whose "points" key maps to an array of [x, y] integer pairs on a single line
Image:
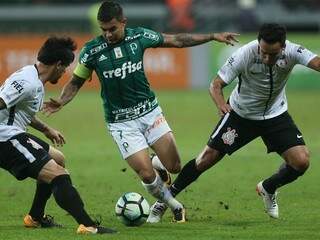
{"points": [[229, 136]]}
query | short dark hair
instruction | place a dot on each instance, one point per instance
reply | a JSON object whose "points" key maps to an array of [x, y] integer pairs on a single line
{"points": [[272, 33], [57, 49], [109, 10]]}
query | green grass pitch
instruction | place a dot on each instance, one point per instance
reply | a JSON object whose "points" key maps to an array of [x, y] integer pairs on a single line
{"points": [[221, 204]]}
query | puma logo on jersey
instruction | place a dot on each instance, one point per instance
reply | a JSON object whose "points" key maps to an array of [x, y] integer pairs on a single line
{"points": [[126, 68]]}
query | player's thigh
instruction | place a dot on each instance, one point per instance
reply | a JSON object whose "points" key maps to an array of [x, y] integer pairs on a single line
{"points": [[231, 133], [140, 162], [160, 138], [281, 134], [23, 156], [166, 149], [53, 152], [128, 137], [57, 156], [51, 170]]}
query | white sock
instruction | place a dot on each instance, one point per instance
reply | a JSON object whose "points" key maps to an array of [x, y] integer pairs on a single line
{"points": [[157, 164], [159, 190]]}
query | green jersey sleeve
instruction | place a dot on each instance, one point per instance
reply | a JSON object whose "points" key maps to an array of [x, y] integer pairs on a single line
{"points": [[86, 58], [150, 39]]}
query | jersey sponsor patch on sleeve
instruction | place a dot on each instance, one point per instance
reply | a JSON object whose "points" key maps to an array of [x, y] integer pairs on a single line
{"points": [[84, 58], [16, 85], [300, 49], [231, 61], [150, 35]]}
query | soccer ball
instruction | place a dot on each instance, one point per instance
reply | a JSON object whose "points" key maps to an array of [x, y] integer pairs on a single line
{"points": [[132, 209]]}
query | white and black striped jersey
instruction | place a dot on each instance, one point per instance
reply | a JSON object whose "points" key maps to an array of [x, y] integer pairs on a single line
{"points": [[260, 92], [23, 93]]}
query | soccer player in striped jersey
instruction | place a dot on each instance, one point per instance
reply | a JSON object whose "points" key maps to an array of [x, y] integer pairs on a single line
{"points": [[257, 107], [132, 112], [23, 154]]}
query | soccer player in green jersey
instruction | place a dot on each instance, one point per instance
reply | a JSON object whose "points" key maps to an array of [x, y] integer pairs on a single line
{"points": [[133, 116]]}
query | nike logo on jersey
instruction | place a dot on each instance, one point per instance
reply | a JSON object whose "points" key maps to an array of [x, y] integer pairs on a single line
{"points": [[299, 136], [102, 58]]}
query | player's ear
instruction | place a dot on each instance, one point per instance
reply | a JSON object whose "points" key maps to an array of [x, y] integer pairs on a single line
{"points": [[124, 21], [284, 46], [59, 64]]}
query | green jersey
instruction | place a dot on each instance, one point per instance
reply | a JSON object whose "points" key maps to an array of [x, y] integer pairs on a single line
{"points": [[125, 89]]}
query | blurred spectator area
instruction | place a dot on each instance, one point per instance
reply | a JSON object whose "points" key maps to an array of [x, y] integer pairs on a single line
{"points": [[42, 16]]}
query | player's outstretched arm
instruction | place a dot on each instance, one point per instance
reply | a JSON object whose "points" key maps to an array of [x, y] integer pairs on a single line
{"points": [[216, 94], [182, 40], [315, 64], [68, 92], [54, 135]]}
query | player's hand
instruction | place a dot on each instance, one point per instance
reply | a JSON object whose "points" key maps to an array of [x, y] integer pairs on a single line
{"points": [[224, 109], [228, 38], [55, 136], [51, 106]]}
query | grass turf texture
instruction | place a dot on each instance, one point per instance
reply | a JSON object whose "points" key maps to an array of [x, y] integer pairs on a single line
{"points": [[221, 204]]}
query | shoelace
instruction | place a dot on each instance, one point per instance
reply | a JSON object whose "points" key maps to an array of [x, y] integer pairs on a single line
{"points": [[273, 199], [47, 219], [158, 209]]}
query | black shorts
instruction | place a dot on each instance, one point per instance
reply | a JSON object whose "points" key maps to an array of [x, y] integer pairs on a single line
{"points": [[24, 155], [233, 132]]}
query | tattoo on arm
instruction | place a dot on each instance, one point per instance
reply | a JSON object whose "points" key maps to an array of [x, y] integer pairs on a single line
{"points": [[182, 40], [77, 81], [71, 89]]}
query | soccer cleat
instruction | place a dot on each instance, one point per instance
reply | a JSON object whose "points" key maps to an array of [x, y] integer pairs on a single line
{"points": [[46, 221], [179, 215], [269, 200], [156, 212], [82, 229]]}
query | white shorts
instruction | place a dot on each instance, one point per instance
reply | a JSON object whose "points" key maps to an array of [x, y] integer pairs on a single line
{"points": [[138, 134]]}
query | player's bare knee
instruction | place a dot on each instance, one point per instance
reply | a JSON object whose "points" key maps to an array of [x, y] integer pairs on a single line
{"points": [[177, 168], [302, 161], [147, 176], [174, 168], [50, 171]]}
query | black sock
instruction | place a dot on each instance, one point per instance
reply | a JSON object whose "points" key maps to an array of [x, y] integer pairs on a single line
{"points": [[188, 174], [41, 196], [68, 198], [285, 175]]}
